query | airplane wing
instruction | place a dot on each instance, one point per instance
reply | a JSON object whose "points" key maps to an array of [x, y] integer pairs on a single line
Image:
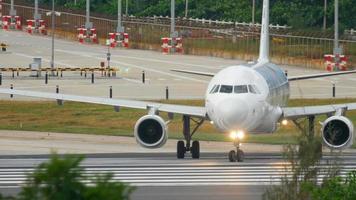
{"points": [[194, 111], [299, 112], [303, 77], [292, 78], [194, 72]]}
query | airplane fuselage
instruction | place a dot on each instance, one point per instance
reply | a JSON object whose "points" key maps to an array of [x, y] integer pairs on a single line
{"points": [[247, 98]]}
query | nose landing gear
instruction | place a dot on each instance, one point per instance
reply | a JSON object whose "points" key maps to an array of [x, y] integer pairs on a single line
{"points": [[237, 155]]}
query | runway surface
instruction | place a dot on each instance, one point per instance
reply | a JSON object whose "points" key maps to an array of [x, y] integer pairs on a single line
{"points": [[162, 176], [24, 47]]}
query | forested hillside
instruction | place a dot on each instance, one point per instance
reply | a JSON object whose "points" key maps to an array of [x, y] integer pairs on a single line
{"points": [[295, 13]]}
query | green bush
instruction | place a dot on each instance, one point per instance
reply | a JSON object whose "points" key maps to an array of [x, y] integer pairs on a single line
{"points": [[64, 178], [335, 188]]}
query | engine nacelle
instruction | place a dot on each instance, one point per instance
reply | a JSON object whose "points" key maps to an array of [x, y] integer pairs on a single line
{"points": [[151, 131], [338, 132]]}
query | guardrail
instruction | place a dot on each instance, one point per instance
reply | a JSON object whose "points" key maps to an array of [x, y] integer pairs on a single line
{"points": [[350, 32], [223, 40]]}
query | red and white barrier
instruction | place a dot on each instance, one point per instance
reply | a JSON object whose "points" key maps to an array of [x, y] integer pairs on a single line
{"points": [[5, 22], [179, 45], [335, 62], [126, 40], [119, 39], [87, 35], [42, 29], [18, 23], [11, 22], [38, 26], [1, 13], [30, 26], [165, 45], [172, 45], [81, 35]]}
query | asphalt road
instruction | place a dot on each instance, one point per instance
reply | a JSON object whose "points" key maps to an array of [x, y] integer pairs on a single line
{"points": [[24, 47], [162, 176]]}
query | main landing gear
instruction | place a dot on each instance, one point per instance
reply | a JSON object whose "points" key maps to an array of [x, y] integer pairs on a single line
{"points": [[237, 155], [194, 147]]}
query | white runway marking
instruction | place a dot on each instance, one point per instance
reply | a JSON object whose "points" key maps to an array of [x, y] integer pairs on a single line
{"points": [[180, 175]]}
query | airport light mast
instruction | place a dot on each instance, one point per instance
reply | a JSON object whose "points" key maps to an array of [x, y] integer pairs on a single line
{"points": [[53, 14], [325, 9], [337, 49], [88, 24], [53, 26], [120, 28], [174, 34], [127, 8], [36, 15], [186, 8], [253, 11], [173, 19], [12, 9]]}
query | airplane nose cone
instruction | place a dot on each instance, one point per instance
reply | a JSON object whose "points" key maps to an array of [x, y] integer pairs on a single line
{"points": [[232, 113]]}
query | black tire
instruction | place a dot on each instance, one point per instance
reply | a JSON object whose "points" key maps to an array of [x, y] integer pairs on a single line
{"points": [[180, 149], [195, 150], [240, 156], [232, 156]]}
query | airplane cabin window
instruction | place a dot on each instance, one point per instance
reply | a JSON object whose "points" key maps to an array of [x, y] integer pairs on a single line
{"points": [[226, 89], [240, 89]]}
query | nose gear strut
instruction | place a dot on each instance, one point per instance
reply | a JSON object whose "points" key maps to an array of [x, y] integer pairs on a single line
{"points": [[237, 155]]}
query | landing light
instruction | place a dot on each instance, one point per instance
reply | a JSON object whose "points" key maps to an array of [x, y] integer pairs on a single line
{"points": [[237, 135], [284, 122]]}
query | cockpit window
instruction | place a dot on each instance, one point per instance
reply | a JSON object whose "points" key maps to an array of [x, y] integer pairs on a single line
{"points": [[252, 89], [226, 89], [217, 87], [256, 89], [238, 89], [212, 89]]}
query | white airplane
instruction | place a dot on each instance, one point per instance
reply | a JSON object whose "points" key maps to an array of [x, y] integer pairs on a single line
{"points": [[249, 98]]}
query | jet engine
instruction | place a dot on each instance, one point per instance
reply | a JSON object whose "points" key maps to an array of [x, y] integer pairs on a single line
{"points": [[151, 131], [337, 132]]}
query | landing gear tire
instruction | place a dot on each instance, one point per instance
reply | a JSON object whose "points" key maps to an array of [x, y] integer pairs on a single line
{"points": [[180, 149], [232, 156], [195, 150], [240, 155]]}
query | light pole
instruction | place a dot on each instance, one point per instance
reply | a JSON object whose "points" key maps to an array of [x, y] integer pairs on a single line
{"points": [[325, 9], [53, 14], [88, 24], [127, 8], [53, 26], [36, 16], [120, 28], [337, 49], [253, 11], [173, 33], [186, 8], [12, 9]]}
